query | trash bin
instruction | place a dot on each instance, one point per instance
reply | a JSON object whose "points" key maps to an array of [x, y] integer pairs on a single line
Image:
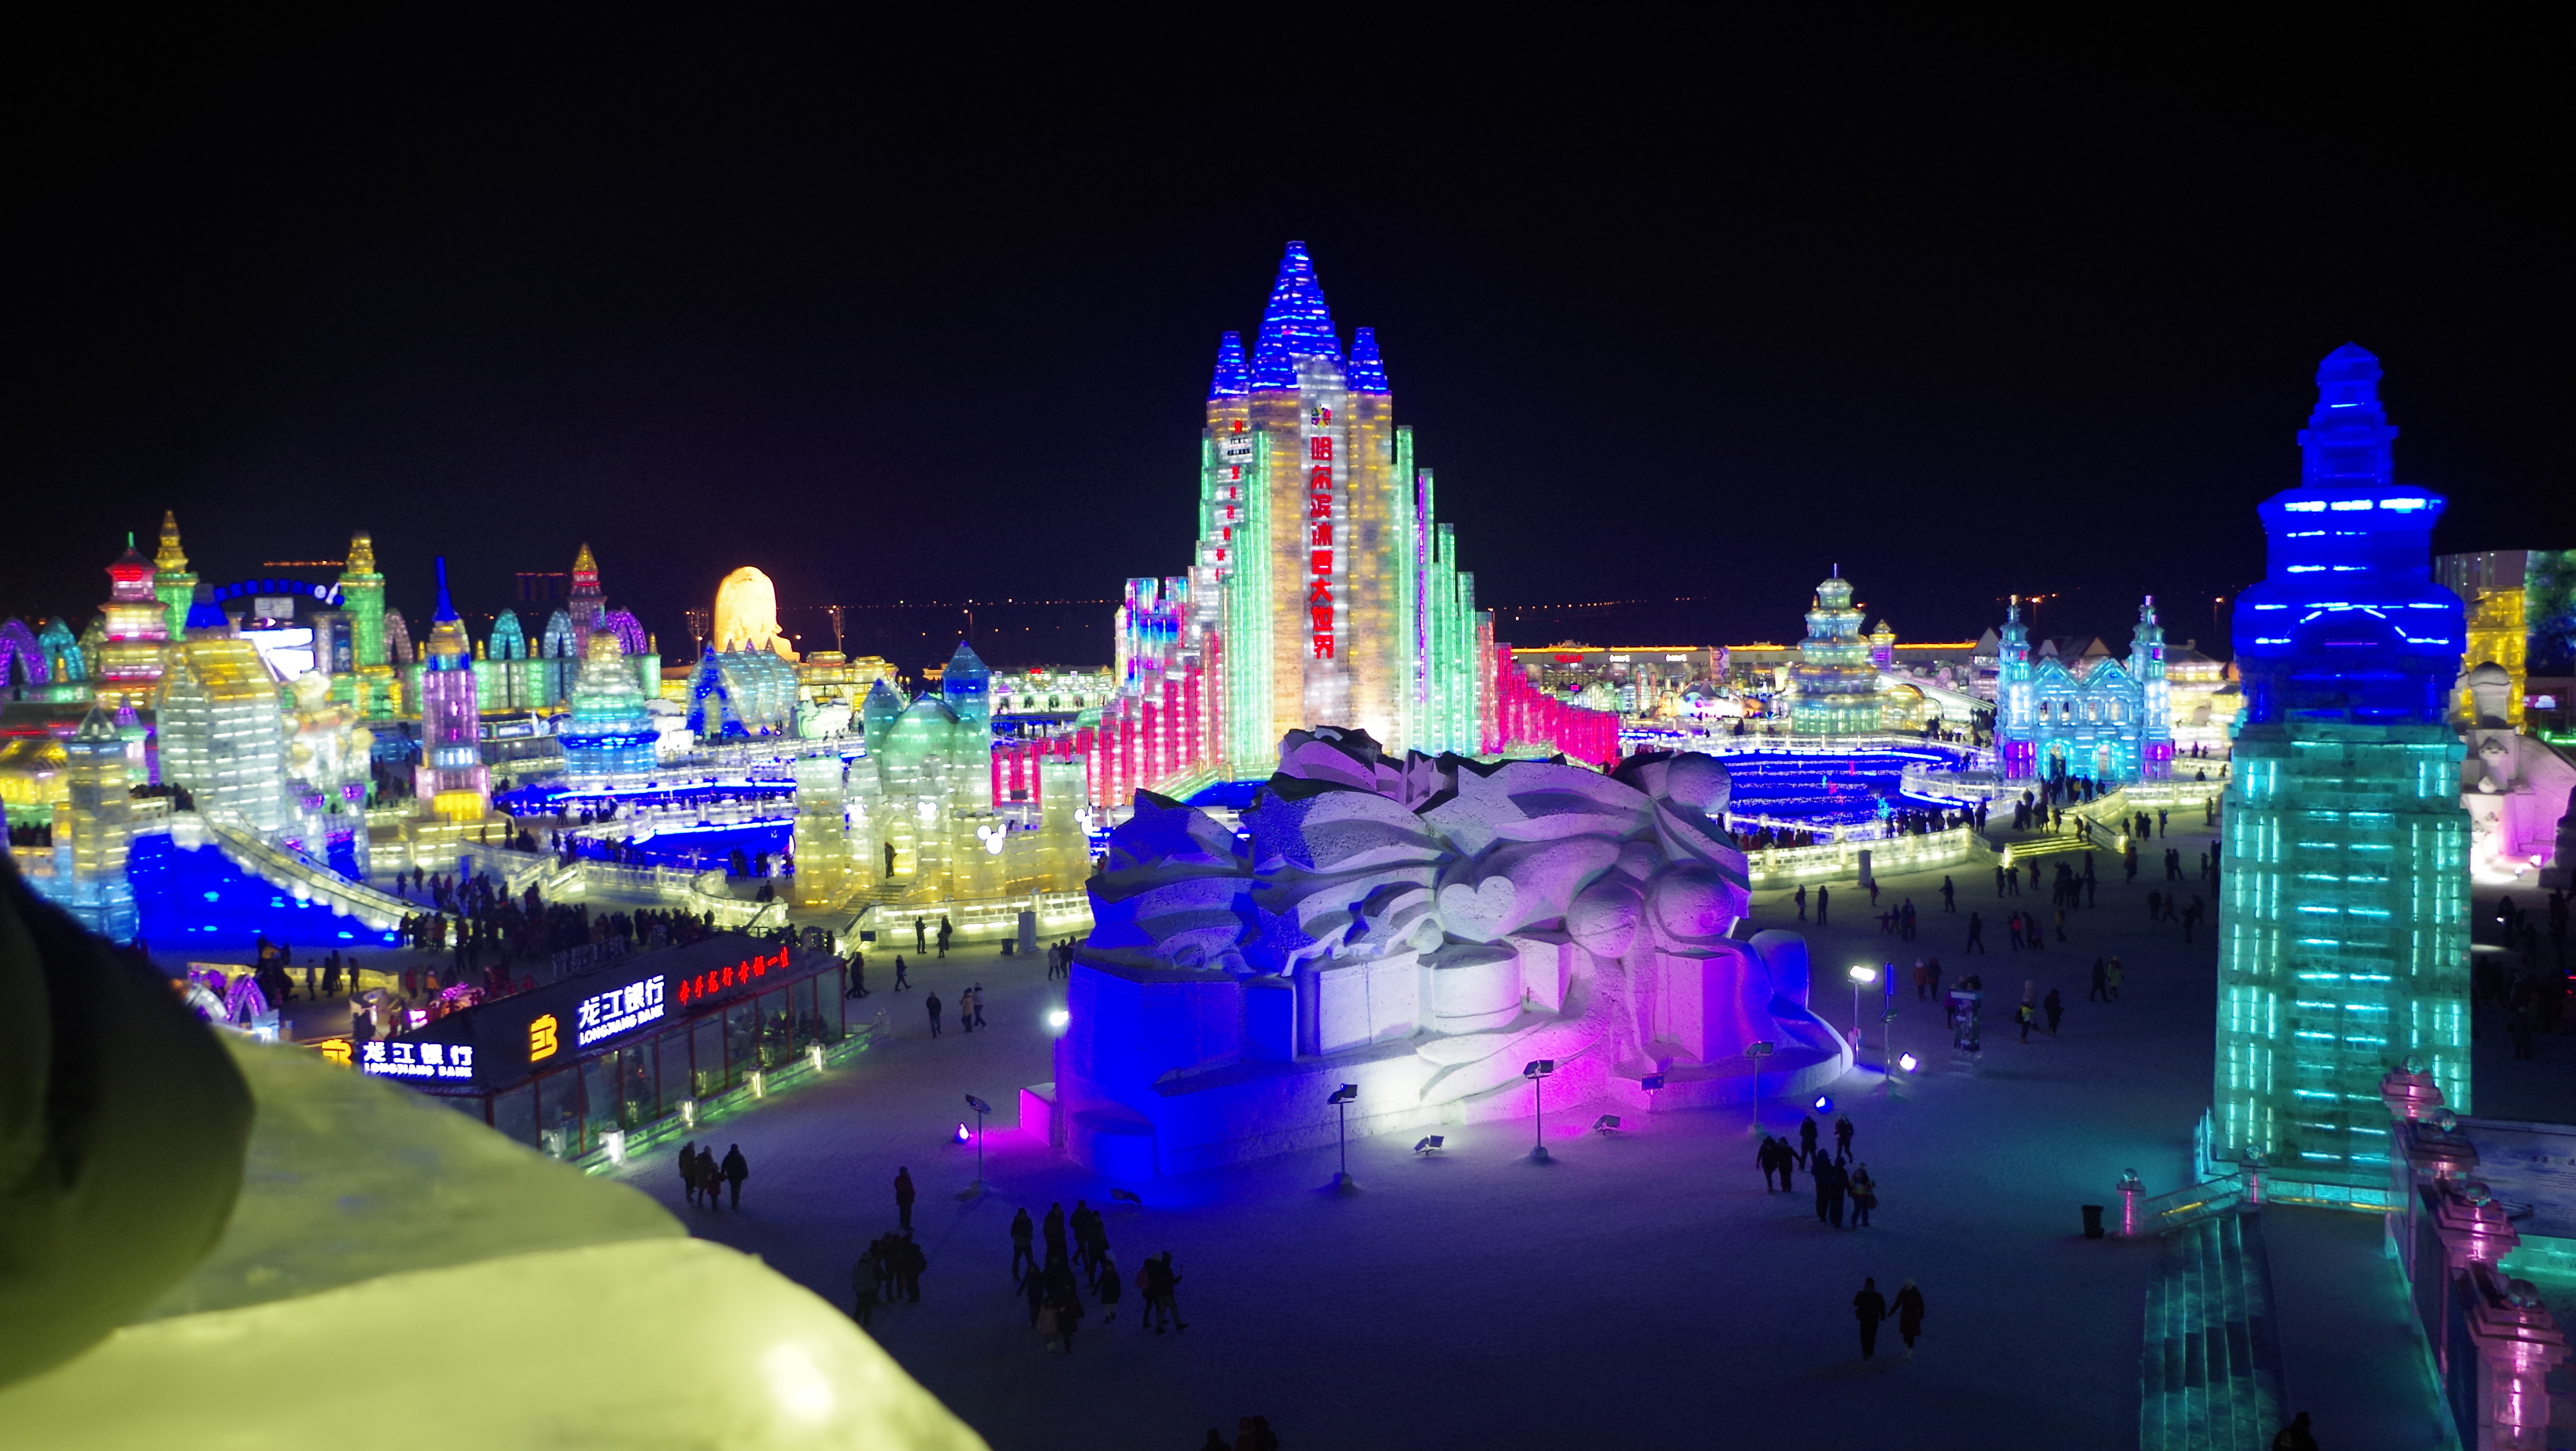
{"points": [[2092, 1221]]}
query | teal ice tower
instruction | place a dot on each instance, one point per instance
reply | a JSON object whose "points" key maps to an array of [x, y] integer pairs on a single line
{"points": [[2344, 914]]}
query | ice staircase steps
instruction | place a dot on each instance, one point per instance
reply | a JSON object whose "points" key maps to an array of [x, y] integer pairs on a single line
{"points": [[2210, 1371]]}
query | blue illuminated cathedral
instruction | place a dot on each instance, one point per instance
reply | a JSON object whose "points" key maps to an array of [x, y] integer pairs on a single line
{"points": [[2110, 724]]}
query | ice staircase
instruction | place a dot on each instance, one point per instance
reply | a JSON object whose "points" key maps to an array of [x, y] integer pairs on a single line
{"points": [[304, 878], [2210, 1373]]}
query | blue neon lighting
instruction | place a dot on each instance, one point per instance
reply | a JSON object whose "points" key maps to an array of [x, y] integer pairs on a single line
{"points": [[1296, 325], [1233, 375], [1368, 370]]}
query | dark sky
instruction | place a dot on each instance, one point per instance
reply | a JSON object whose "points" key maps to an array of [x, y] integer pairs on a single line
{"points": [[1677, 316]]}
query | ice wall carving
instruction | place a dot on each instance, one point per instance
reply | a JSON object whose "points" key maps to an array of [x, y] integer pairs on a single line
{"points": [[1423, 928]]}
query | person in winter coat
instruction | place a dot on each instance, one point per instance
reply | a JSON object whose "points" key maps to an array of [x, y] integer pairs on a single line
{"points": [[1869, 1307], [736, 1169], [1023, 1234], [1160, 1299], [909, 1263], [1767, 1159], [1053, 1229], [933, 1005], [1034, 1286], [1807, 1140], [710, 1177], [1842, 1138], [863, 1289], [689, 1169], [1908, 1311], [2295, 1436], [1106, 1289], [1864, 1196], [903, 1196], [2055, 1007]]}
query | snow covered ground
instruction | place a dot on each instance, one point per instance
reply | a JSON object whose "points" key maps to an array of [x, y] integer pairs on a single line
{"points": [[1642, 1289]]}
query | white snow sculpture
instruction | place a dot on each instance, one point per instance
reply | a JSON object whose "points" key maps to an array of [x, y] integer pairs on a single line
{"points": [[1421, 929]]}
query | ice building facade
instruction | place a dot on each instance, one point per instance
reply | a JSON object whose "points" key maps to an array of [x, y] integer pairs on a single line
{"points": [[609, 739], [219, 729], [2103, 721], [2343, 916], [1323, 588]]}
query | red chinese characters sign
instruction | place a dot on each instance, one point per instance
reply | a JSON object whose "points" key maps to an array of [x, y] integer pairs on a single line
{"points": [[1319, 536]]}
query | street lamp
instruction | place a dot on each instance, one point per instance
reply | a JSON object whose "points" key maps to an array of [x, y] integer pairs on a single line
{"points": [[981, 1108], [1757, 1052], [1341, 1102], [1536, 1071], [1862, 975]]}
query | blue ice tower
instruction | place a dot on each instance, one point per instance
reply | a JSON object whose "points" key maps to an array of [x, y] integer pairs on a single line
{"points": [[2344, 913]]}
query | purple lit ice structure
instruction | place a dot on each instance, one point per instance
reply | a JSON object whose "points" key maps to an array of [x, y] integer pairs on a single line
{"points": [[1422, 930]]}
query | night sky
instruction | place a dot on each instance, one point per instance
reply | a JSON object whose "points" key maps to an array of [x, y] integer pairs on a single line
{"points": [[1680, 318]]}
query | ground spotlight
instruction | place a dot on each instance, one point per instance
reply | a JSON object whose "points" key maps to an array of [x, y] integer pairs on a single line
{"points": [[1824, 1103], [1908, 1062], [1431, 1145], [1059, 1018], [963, 1136]]}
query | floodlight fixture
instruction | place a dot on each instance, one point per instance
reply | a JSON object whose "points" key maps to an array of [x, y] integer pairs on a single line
{"points": [[1757, 1051], [1341, 1102], [1824, 1103], [1536, 1071], [1651, 1082], [962, 1135], [1431, 1145], [1862, 972], [1908, 1062], [1059, 1018], [977, 1104], [1125, 1196], [1538, 1068], [1607, 1123]]}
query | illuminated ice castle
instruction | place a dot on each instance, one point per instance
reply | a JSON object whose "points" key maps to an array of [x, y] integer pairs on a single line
{"points": [[1837, 683], [1323, 590], [2104, 722], [2343, 943]]}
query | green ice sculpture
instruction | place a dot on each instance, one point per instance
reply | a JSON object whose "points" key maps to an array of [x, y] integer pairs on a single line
{"points": [[210, 1242]]}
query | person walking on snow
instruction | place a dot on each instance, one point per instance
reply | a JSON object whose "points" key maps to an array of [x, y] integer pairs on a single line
{"points": [[2055, 1007], [1869, 1307], [933, 1005], [1767, 1159], [903, 1196], [863, 1290], [1908, 1311], [1864, 1196], [1842, 1138], [1023, 1234], [736, 1169], [709, 1176], [689, 1169], [900, 981]]}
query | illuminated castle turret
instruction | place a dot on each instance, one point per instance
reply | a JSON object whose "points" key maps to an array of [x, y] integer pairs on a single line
{"points": [[171, 579], [1836, 683], [221, 733], [93, 830], [135, 626], [370, 688], [2343, 921], [451, 781]]}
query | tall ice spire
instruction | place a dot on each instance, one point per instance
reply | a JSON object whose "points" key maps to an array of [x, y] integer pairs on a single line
{"points": [[446, 606], [1295, 325], [1233, 375], [1368, 370]]}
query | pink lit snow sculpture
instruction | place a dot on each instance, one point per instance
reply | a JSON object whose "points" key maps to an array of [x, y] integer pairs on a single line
{"points": [[1420, 929]]}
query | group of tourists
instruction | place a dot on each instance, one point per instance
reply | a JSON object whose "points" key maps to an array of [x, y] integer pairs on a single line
{"points": [[1841, 1184], [703, 1177]]}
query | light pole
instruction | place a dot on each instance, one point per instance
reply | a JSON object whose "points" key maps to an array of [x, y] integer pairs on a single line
{"points": [[981, 1108], [1536, 1071], [1757, 1052], [1862, 975], [1341, 1102]]}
